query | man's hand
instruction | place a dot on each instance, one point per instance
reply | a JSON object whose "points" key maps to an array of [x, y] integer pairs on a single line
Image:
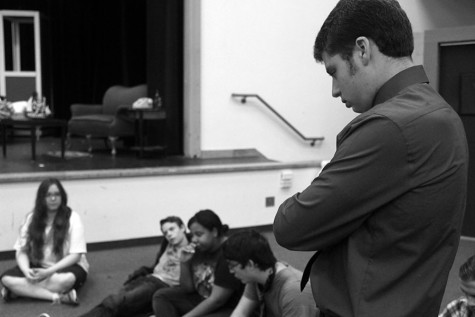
{"points": [[142, 271]]}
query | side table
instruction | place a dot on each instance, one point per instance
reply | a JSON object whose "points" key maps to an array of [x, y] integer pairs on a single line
{"points": [[140, 116], [33, 124]]}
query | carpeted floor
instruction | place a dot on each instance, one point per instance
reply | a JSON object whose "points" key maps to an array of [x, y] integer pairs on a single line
{"points": [[109, 268]]}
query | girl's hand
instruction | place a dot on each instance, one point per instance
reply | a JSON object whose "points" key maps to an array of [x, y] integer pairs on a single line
{"points": [[40, 274], [187, 252], [30, 275]]}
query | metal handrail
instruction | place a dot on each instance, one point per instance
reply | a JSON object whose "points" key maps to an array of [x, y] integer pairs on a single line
{"points": [[244, 99]]}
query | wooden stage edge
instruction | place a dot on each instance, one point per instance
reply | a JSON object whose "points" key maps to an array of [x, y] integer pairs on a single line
{"points": [[155, 171]]}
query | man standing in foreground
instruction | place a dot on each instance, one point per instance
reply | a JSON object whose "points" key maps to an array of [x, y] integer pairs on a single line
{"points": [[385, 214]]}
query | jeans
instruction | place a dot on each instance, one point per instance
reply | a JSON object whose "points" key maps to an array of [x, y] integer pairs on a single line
{"points": [[175, 302], [135, 297]]}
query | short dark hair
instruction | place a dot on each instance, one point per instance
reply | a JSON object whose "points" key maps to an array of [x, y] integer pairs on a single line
{"points": [[383, 21], [467, 270], [173, 219], [249, 245], [210, 220]]}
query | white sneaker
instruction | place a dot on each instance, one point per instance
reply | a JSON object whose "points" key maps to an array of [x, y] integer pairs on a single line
{"points": [[6, 294], [69, 298]]}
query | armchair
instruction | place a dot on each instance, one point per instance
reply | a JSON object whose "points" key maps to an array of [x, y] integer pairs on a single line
{"points": [[108, 120]]}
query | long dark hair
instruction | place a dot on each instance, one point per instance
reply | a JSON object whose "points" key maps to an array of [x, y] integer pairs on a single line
{"points": [[208, 219], [60, 226]]}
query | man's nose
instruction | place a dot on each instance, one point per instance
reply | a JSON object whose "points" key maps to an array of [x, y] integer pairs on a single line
{"points": [[335, 90]]}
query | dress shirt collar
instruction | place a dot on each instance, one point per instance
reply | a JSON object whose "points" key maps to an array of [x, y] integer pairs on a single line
{"points": [[410, 76]]}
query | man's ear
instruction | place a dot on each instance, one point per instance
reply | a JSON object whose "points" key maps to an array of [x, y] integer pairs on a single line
{"points": [[363, 49], [251, 263]]}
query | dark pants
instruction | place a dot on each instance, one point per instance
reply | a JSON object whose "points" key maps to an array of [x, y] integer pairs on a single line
{"points": [[78, 272], [175, 302], [134, 298]]}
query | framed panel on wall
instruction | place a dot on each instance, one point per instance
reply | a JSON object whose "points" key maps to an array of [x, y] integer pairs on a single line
{"points": [[20, 54]]}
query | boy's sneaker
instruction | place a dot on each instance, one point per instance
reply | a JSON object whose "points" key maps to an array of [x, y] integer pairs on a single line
{"points": [[69, 298], [6, 294]]}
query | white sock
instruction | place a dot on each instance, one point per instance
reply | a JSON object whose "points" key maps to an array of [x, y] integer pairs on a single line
{"points": [[56, 298]]}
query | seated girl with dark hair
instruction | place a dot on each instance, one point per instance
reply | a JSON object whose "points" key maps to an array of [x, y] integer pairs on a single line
{"points": [[50, 251]]}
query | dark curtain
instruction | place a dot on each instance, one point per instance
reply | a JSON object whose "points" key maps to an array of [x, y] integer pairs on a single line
{"points": [[165, 69], [88, 46]]}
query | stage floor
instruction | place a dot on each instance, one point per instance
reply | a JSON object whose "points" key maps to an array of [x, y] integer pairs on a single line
{"points": [[48, 157]]}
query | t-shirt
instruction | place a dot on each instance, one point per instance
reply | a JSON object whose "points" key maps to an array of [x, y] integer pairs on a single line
{"points": [[284, 298], [168, 267], [210, 268], [73, 243]]}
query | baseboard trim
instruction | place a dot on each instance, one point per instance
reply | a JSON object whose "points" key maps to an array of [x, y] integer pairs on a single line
{"points": [[129, 243]]}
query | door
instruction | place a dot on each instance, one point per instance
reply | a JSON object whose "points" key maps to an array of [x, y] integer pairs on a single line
{"points": [[20, 54], [457, 86]]}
